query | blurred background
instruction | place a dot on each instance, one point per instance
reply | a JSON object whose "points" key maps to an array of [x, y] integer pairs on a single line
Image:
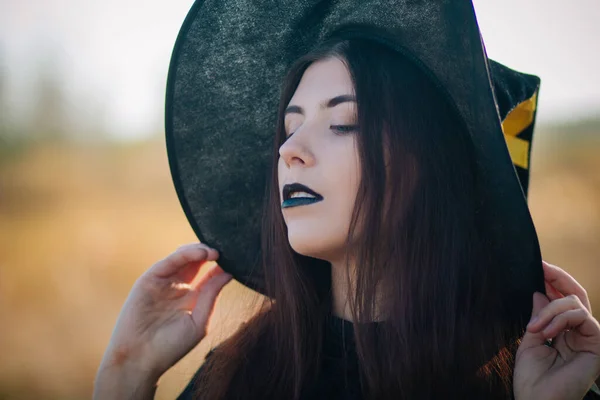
{"points": [[86, 200]]}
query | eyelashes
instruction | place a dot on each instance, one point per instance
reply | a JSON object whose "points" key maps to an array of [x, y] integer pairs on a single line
{"points": [[336, 129], [341, 129]]}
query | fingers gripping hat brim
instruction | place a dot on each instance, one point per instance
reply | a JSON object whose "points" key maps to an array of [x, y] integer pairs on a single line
{"points": [[223, 88]]}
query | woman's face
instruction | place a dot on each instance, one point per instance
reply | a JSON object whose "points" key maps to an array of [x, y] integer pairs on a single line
{"points": [[320, 153]]}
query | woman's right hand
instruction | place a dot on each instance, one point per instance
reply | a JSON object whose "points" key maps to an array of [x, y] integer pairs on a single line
{"points": [[164, 316]]}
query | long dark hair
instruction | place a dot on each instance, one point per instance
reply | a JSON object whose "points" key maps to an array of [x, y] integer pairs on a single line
{"points": [[420, 250]]}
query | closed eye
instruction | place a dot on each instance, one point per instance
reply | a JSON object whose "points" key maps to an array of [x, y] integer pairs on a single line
{"points": [[343, 128], [338, 129]]}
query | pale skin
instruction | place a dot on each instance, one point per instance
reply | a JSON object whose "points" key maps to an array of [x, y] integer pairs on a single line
{"points": [[165, 316], [320, 152]]}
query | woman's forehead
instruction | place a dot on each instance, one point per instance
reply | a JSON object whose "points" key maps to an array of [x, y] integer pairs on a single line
{"points": [[323, 80]]}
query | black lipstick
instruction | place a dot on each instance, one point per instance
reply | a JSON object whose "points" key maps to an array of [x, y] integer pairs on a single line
{"points": [[289, 201]]}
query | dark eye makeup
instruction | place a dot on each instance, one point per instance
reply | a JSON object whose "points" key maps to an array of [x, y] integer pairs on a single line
{"points": [[337, 129], [341, 129]]}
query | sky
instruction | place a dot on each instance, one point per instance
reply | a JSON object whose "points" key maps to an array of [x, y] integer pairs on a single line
{"points": [[114, 54]]}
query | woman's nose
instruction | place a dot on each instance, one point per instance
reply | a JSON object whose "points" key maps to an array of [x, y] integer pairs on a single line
{"points": [[296, 152]]}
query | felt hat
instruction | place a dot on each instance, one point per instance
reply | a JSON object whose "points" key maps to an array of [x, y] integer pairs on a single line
{"points": [[222, 97]]}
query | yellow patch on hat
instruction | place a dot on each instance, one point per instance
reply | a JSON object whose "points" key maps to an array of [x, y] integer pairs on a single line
{"points": [[519, 119]]}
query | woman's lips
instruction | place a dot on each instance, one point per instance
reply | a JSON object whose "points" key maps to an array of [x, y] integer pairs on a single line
{"points": [[297, 194]]}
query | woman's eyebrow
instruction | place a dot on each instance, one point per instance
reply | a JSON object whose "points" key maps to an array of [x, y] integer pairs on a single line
{"points": [[334, 101]]}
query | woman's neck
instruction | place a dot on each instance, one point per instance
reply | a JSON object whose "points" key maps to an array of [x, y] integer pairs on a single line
{"points": [[342, 287]]}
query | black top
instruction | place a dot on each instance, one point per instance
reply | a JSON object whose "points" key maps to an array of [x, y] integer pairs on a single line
{"points": [[339, 376]]}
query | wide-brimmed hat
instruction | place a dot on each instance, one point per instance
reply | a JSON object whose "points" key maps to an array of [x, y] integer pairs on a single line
{"points": [[223, 89]]}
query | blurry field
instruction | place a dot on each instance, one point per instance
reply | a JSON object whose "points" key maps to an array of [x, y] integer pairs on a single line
{"points": [[79, 224]]}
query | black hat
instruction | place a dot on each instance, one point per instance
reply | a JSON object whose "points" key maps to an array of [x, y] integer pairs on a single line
{"points": [[222, 98]]}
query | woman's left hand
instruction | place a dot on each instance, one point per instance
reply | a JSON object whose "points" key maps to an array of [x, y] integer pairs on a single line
{"points": [[567, 369]]}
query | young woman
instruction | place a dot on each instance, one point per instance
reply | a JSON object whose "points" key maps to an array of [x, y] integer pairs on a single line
{"points": [[384, 257], [388, 194]]}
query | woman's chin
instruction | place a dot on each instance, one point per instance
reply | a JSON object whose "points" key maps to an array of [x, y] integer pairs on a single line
{"points": [[313, 247]]}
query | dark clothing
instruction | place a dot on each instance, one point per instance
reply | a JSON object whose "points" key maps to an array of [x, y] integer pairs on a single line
{"points": [[340, 375]]}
